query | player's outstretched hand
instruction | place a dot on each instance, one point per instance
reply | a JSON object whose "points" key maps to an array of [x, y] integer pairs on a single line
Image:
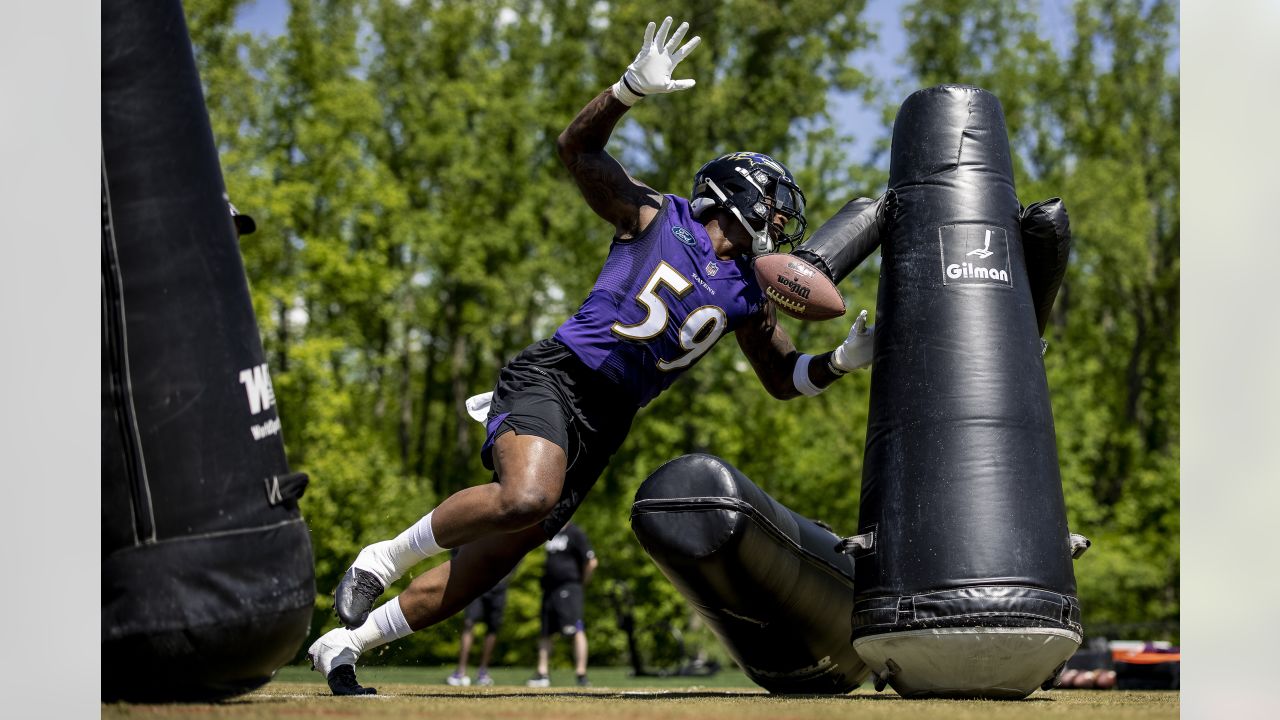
{"points": [[650, 73], [856, 350]]}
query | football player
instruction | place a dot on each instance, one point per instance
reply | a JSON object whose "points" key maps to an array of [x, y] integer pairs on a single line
{"points": [[677, 279]]}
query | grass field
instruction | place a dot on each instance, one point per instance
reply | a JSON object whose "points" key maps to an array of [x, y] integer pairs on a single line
{"points": [[421, 692]]}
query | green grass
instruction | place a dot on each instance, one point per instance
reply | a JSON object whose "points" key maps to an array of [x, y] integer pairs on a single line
{"points": [[420, 692], [610, 677]]}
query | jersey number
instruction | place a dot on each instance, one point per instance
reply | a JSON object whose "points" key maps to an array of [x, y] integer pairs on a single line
{"points": [[701, 329]]}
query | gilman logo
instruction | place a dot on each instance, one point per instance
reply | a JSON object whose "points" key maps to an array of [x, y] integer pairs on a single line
{"points": [[983, 252], [974, 255], [967, 270]]}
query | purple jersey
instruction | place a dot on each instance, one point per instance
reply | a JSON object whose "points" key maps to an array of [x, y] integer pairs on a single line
{"points": [[660, 303]]}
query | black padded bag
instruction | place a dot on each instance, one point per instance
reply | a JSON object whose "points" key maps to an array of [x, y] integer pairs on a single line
{"points": [[207, 578], [768, 582], [960, 486]]}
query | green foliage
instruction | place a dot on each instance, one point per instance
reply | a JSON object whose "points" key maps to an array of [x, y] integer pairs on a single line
{"points": [[416, 230]]}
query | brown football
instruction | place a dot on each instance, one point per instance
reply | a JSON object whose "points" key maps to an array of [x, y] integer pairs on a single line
{"points": [[798, 288]]}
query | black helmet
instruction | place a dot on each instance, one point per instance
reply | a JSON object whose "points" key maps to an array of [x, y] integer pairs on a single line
{"points": [[752, 186]]}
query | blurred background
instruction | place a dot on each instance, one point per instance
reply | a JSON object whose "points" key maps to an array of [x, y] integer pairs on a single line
{"points": [[416, 230]]}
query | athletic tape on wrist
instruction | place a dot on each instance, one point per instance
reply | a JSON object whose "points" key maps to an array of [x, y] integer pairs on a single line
{"points": [[633, 90], [626, 94], [800, 377]]}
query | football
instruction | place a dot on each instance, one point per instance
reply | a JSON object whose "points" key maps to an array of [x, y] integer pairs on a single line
{"points": [[798, 288]]}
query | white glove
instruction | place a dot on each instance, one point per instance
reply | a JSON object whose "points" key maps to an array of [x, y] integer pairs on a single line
{"points": [[650, 72], [478, 406], [856, 350]]}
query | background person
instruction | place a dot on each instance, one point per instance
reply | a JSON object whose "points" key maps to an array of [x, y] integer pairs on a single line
{"points": [[570, 562], [489, 609]]}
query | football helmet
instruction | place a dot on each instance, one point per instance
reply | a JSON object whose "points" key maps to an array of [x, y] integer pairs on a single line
{"points": [[754, 188]]}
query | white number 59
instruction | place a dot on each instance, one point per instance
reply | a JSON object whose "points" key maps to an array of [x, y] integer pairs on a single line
{"points": [[700, 330]]}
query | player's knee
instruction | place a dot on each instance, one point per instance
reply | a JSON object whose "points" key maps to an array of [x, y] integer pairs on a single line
{"points": [[521, 508]]}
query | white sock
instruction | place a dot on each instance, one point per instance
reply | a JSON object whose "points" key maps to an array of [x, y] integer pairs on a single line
{"points": [[385, 624], [390, 559]]}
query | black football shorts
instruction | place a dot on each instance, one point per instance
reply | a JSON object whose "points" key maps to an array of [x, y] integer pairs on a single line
{"points": [[488, 609], [547, 391], [562, 610]]}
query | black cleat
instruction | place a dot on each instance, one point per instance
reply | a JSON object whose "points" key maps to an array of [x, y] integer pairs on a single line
{"points": [[355, 596], [342, 681], [333, 657]]}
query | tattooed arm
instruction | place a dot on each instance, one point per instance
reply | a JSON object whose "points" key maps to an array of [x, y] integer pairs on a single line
{"points": [[607, 187], [773, 356], [612, 193]]}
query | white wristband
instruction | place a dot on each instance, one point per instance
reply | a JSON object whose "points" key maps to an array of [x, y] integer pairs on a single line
{"points": [[800, 377], [626, 94]]}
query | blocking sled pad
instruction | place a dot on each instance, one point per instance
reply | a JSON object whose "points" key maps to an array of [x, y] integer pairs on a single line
{"points": [[768, 581], [207, 580], [967, 587]]}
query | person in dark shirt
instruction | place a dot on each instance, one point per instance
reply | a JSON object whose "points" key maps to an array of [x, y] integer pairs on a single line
{"points": [[676, 280], [570, 563], [489, 609]]}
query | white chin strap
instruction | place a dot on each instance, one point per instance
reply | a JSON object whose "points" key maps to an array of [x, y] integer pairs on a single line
{"points": [[761, 242]]}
